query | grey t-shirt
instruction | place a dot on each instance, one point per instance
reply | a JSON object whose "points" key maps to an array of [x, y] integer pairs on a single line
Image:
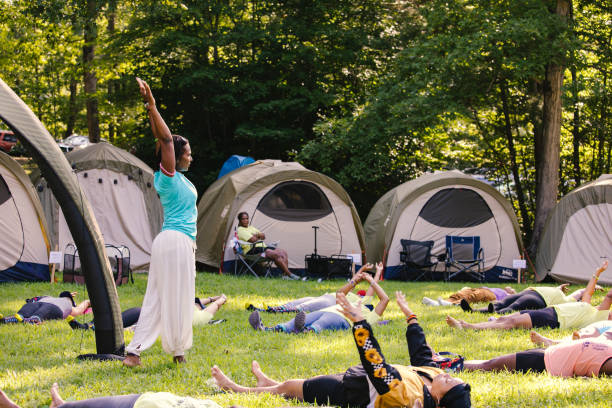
{"points": [[64, 303]]}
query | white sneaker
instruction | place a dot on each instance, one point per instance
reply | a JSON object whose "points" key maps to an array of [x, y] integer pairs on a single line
{"points": [[443, 302], [430, 302]]}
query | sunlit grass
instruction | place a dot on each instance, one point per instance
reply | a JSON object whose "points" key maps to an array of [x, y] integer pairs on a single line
{"points": [[33, 357]]}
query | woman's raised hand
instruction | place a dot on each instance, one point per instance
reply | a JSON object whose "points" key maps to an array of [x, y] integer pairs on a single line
{"points": [[352, 312], [146, 93], [403, 305]]}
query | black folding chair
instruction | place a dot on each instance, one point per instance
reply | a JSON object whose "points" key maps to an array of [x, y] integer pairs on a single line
{"points": [[465, 255], [417, 259], [247, 263]]}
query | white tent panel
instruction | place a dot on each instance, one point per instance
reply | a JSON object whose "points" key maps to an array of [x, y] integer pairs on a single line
{"points": [[20, 229], [121, 212], [297, 237], [491, 232], [586, 239]]}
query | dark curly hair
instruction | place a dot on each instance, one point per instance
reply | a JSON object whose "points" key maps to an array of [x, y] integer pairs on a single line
{"points": [[179, 148]]}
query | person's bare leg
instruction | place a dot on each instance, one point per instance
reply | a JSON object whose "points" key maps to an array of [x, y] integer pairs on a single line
{"points": [[262, 379], [56, 400], [213, 307], [5, 401], [516, 321], [540, 340], [279, 257], [507, 362], [288, 389]]}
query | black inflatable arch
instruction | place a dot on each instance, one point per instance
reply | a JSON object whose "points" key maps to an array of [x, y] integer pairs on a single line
{"points": [[79, 217]]}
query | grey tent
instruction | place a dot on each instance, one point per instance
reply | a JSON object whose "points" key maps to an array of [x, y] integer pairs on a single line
{"points": [[119, 187], [440, 204], [577, 234], [23, 229], [284, 200]]}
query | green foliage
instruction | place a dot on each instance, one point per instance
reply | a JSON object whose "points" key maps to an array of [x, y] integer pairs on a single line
{"points": [[33, 357]]}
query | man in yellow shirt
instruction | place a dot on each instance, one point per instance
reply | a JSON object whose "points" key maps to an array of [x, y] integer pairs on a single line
{"points": [[249, 233]]}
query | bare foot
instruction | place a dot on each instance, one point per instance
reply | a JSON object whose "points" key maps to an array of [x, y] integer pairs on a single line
{"points": [[222, 380], [131, 360], [262, 379], [575, 335], [452, 322], [5, 402], [56, 400], [221, 300], [538, 339], [179, 359]]}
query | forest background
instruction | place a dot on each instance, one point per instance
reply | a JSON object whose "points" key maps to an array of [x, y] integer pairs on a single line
{"points": [[372, 93]]}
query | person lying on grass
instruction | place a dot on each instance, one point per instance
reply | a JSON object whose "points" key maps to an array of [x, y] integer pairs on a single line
{"points": [[471, 295], [573, 358], [532, 298], [148, 400], [311, 303], [602, 328], [331, 318], [565, 316], [201, 315], [375, 382], [40, 308]]}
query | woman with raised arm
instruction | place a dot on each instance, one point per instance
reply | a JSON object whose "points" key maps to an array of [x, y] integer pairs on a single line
{"points": [[167, 308], [374, 382], [331, 317]]}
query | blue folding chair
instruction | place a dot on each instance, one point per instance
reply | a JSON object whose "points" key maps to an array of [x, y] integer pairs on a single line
{"points": [[464, 255]]}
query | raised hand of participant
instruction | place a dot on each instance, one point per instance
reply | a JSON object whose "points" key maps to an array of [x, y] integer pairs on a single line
{"points": [[352, 312], [400, 298]]}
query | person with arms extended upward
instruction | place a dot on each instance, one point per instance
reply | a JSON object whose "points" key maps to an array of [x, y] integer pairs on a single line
{"points": [[167, 308]]}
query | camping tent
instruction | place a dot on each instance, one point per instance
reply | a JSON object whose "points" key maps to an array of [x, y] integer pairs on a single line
{"points": [[23, 229], [284, 200], [439, 204], [119, 187], [577, 234]]}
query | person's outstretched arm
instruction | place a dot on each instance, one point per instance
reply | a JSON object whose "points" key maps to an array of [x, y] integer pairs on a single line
{"points": [[377, 275], [159, 128], [380, 292], [359, 276], [383, 376], [590, 288], [420, 352]]}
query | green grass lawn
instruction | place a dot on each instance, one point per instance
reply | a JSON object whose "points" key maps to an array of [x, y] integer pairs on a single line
{"points": [[34, 357]]}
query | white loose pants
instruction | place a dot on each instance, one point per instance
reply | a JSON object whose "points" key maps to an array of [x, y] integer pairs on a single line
{"points": [[167, 308]]}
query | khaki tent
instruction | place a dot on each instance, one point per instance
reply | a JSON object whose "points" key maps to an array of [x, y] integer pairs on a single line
{"points": [[284, 200], [23, 229], [119, 187], [440, 204], [577, 234]]}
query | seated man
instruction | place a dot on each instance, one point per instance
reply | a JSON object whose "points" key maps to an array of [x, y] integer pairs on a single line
{"points": [[375, 382], [251, 234], [331, 317], [40, 308], [572, 315], [472, 295]]}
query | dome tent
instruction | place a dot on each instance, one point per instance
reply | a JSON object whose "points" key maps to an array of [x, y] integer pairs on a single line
{"points": [[119, 187], [284, 200], [23, 229], [439, 204], [578, 234]]}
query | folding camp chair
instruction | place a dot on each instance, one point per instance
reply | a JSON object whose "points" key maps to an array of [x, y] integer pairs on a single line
{"points": [[417, 259], [465, 255], [246, 263]]}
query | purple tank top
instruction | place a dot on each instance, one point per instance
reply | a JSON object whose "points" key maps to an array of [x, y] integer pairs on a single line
{"points": [[500, 294]]}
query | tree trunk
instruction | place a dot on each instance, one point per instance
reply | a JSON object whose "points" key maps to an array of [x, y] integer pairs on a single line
{"points": [[548, 144], [89, 75], [111, 14], [520, 195], [72, 108], [576, 129]]}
